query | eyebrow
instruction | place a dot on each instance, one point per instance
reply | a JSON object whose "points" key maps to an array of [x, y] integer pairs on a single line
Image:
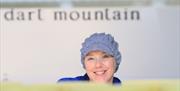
{"points": [[89, 54]]}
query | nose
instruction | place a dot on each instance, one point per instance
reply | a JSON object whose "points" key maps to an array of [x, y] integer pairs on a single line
{"points": [[98, 64]]}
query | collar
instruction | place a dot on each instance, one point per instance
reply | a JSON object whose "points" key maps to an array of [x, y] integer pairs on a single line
{"points": [[115, 79]]}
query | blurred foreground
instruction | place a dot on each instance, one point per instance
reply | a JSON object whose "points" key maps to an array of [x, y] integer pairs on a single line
{"points": [[131, 85]]}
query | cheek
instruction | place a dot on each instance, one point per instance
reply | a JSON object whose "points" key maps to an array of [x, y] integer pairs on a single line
{"points": [[111, 65], [88, 66]]}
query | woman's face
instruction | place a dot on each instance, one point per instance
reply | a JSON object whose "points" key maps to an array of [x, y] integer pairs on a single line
{"points": [[100, 67]]}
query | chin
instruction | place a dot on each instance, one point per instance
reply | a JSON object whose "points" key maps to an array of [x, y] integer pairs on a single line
{"points": [[101, 80]]}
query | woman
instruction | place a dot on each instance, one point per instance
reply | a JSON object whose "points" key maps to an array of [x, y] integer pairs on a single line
{"points": [[100, 58]]}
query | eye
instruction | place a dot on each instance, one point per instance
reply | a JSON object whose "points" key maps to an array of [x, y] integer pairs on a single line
{"points": [[90, 58], [107, 56]]}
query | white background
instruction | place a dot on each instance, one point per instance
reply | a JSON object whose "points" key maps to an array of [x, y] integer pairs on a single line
{"points": [[44, 51]]}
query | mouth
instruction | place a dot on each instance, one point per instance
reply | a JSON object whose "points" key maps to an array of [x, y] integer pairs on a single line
{"points": [[100, 73]]}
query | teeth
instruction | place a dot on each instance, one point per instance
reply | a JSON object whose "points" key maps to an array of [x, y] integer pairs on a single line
{"points": [[99, 72]]}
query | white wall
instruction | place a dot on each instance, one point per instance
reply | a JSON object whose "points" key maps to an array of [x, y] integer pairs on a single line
{"points": [[42, 51]]}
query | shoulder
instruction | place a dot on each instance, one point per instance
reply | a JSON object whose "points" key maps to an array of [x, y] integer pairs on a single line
{"points": [[78, 78], [116, 80]]}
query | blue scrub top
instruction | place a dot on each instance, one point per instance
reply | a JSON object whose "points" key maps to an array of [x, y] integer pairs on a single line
{"points": [[86, 78]]}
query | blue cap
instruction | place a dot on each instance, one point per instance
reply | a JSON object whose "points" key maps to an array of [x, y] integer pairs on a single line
{"points": [[101, 42]]}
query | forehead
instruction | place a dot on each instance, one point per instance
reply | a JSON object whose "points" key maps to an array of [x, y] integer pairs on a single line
{"points": [[94, 53]]}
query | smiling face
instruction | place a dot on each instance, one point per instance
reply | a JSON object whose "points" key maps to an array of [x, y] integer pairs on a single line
{"points": [[100, 67]]}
